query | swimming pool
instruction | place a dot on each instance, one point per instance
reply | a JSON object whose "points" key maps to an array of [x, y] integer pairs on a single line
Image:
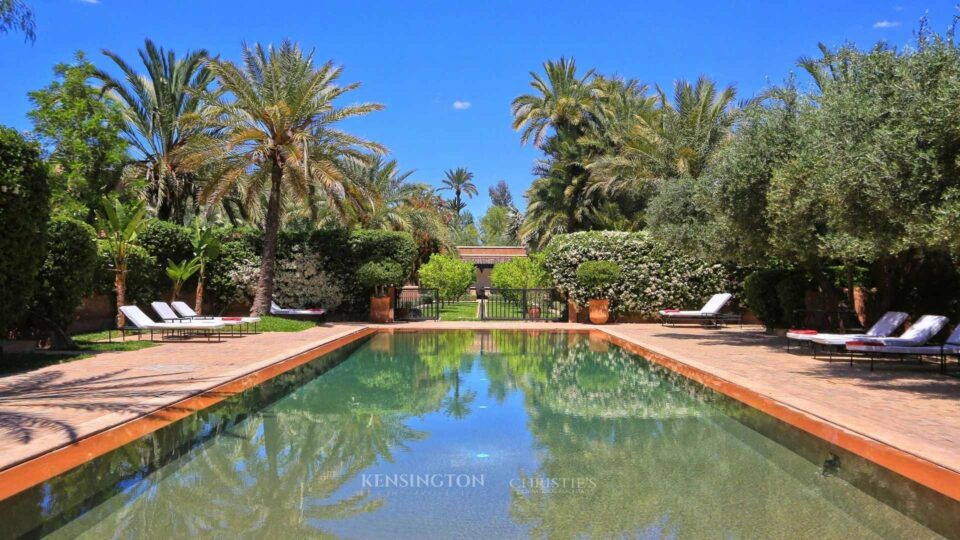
{"points": [[461, 434]]}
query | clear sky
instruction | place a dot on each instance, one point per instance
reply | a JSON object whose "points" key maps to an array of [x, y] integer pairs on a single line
{"points": [[447, 70]]}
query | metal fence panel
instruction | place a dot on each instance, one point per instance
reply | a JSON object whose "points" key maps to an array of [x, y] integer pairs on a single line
{"points": [[416, 305], [522, 305]]}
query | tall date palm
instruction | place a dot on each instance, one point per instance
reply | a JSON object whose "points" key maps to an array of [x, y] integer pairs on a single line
{"points": [[277, 115], [460, 181], [165, 123]]}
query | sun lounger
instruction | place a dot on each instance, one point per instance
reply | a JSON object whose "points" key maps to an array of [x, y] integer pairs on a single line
{"points": [[287, 312], [186, 312], [913, 342], [137, 320], [709, 313], [886, 325]]}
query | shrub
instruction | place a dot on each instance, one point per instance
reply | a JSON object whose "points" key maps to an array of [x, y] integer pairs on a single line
{"points": [[791, 295], [521, 273], [24, 211], [653, 276], [449, 275], [377, 276], [302, 281], [233, 274], [596, 277], [760, 296], [165, 241], [66, 276], [398, 247]]}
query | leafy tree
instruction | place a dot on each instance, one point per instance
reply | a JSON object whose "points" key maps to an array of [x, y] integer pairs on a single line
{"points": [[24, 211], [463, 231], [563, 102], [495, 227], [500, 195], [449, 275], [65, 278], [460, 181], [81, 131], [166, 124], [279, 123], [121, 224], [17, 15], [521, 273]]}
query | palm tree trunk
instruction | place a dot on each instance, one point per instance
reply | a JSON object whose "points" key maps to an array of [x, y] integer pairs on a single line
{"points": [[268, 260], [198, 305], [120, 282]]}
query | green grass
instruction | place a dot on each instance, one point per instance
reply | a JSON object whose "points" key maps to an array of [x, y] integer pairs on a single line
{"points": [[269, 323], [86, 348], [458, 311]]}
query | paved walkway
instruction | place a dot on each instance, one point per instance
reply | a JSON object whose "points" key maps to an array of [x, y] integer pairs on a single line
{"points": [[913, 411], [44, 409]]}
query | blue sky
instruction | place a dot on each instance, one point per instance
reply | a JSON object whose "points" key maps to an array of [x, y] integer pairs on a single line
{"points": [[447, 71]]}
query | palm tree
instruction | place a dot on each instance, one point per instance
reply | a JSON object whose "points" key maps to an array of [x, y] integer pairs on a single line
{"points": [[280, 136], [694, 126], [17, 15], [121, 225], [460, 181], [563, 101], [165, 123]]}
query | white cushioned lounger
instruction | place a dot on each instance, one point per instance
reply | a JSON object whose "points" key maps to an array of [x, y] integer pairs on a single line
{"points": [[141, 321], [187, 312], [885, 326], [913, 342], [709, 311], [277, 310]]}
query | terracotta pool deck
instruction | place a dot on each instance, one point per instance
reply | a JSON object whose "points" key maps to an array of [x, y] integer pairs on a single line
{"points": [[910, 416]]}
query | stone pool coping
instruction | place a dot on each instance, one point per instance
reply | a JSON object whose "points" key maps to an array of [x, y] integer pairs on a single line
{"points": [[49, 456]]}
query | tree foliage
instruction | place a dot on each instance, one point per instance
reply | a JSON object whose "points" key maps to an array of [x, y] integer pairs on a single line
{"points": [[449, 275], [82, 133], [24, 211]]}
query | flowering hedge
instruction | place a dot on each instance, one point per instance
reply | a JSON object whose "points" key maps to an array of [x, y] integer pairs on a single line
{"points": [[314, 268], [652, 276]]}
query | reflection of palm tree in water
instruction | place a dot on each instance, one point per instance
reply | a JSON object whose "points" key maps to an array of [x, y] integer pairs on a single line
{"points": [[277, 472], [457, 405]]}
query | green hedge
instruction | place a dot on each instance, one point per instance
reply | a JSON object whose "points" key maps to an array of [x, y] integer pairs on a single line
{"points": [[141, 274], [653, 276], [773, 294], [324, 262], [24, 211], [66, 276], [165, 241]]}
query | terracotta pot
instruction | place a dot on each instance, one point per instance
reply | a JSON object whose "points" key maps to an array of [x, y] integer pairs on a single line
{"points": [[599, 311], [534, 312], [381, 309]]}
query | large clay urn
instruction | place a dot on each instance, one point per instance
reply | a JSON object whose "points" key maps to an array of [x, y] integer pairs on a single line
{"points": [[381, 309], [599, 311]]}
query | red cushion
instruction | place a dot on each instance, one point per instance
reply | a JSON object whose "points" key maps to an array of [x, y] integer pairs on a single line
{"points": [[802, 331], [865, 342], [233, 319], [671, 310], [317, 310]]}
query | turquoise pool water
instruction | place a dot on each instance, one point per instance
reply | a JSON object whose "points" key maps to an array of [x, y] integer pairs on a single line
{"points": [[462, 435]]}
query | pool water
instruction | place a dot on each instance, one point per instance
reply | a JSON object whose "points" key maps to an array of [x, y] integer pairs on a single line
{"points": [[465, 435]]}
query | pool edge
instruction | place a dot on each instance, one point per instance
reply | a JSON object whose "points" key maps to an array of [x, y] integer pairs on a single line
{"points": [[928, 474], [35, 470]]}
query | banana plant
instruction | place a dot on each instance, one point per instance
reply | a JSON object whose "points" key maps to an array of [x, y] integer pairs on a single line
{"points": [[206, 247], [180, 272], [120, 225]]}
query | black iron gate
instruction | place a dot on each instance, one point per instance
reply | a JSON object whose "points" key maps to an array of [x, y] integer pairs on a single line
{"points": [[411, 304], [522, 305]]}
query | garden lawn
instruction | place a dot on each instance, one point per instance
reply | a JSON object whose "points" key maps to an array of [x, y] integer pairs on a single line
{"points": [[87, 346], [458, 311]]}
